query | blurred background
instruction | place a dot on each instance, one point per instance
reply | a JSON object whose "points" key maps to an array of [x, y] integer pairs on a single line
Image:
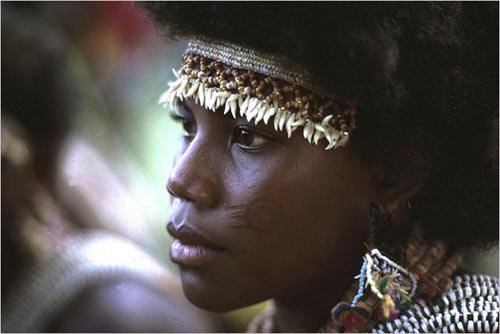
{"points": [[119, 146]]}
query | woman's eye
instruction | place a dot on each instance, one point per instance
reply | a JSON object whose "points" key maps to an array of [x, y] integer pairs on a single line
{"points": [[189, 128], [247, 138], [188, 124]]}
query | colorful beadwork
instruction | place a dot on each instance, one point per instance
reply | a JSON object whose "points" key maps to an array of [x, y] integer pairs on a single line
{"points": [[353, 318], [258, 97]]}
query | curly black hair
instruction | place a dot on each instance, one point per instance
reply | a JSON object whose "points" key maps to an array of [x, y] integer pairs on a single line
{"points": [[424, 73]]}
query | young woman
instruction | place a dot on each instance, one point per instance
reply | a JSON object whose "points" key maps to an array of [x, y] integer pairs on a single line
{"points": [[337, 159]]}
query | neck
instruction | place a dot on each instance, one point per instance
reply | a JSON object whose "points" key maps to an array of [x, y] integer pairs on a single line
{"points": [[307, 312]]}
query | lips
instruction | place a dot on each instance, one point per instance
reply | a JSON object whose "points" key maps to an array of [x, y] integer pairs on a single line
{"points": [[190, 248]]}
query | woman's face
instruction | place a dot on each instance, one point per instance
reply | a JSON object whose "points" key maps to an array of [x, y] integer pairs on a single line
{"points": [[262, 216]]}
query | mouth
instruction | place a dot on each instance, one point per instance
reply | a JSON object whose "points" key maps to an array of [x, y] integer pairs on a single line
{"points": [[190, 248]]}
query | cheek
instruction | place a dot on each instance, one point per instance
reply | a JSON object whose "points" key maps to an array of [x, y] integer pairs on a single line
{"points": [[295, 227]]}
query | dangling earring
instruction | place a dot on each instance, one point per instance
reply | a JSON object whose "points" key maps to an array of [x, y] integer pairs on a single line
{"points": [[390, 282], [384, 286]]}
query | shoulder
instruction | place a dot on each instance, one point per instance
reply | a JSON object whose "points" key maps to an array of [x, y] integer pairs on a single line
{"points": [[130, 306], [471, 305], [121, 288], [100, 282]]}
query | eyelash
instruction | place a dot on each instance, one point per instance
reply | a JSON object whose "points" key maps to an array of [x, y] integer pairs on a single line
{"points": [[186, 123], [240, 133]]}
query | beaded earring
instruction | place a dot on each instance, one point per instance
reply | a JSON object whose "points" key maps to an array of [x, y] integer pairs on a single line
{"points": [[385, 287]]}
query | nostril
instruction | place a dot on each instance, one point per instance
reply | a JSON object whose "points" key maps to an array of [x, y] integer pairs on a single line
{"points": [[174, 188], [169, 189]]}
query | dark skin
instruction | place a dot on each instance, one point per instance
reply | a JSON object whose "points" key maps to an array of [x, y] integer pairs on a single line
{"points": [[291, 217]]}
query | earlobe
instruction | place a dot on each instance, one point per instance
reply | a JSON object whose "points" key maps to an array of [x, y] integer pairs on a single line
{"points": [[399, 179], [396, 200]]}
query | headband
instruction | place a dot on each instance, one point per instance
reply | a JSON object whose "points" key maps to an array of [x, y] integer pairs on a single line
{"points": [[260, 86]]}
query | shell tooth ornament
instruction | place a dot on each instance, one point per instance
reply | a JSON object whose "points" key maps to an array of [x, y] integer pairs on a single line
{"points": [[201, 96], [227, 107], [193, 89], [234, 107], [260, 113], [244, 106], [183, 85], [283, 119], [277, 118], [308, 131], [258, 97], [270, 112], [176, 73], [317, 136], [289, 125]]}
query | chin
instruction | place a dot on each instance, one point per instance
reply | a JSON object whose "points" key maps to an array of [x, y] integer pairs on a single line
{"points": [[214, 297]]}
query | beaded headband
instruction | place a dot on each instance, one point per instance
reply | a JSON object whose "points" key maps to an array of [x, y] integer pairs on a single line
{"points": [[260, 86]]}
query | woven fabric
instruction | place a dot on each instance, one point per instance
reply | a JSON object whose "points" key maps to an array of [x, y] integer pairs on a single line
{"points": [[239, 56], [470, 306]]}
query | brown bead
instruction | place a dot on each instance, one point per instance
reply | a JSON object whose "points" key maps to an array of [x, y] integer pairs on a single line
{"points": [[289, 96], [316, 117]]}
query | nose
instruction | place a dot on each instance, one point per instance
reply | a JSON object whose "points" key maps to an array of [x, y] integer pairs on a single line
{"points": [[194, 177]]}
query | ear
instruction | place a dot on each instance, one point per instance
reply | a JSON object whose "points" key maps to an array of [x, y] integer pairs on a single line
{"points": [[401, 179], [395, 199]]}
